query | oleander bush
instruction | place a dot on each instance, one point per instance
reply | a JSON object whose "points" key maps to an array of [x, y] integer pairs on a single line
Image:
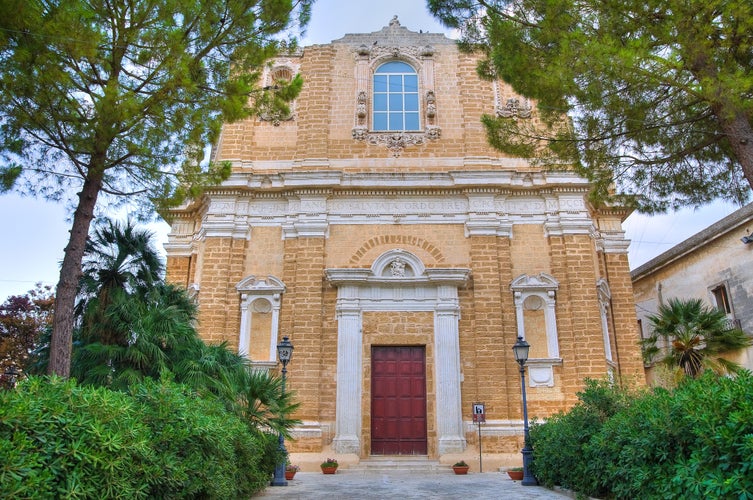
{"points": [[160, 440], [562, 439], [59, 440], [695, 441]]}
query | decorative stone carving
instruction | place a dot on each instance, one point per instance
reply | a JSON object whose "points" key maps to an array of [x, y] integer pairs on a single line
{"points": [[360, 133], [431, 106], [395, 51], [277, 74], [361, 107], [396, 142], [514, 109], [397, 267], [363, 51], [433, 132]]}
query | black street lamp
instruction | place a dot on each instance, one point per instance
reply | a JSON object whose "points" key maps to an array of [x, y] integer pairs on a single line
{"points": [[520, 350], [10, 376], [284, 352]]}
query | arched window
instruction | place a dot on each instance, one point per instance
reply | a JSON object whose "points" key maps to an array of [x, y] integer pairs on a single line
{"points": [[395, 97]]}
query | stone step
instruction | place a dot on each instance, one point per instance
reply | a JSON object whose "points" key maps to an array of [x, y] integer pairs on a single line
{"points": [[395, 463]]}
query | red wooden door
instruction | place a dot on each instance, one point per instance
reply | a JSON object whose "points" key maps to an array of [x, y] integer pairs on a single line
{"points": [[398, 401]]}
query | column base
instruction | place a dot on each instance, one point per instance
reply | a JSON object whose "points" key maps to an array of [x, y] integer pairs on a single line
{"points": [[451, 445], [349, 444]]}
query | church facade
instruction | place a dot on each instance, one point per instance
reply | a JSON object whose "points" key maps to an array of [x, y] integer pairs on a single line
{"points": [[403, 256]]}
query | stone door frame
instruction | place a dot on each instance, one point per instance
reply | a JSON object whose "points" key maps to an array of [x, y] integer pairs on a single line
{"points": [[398, 281]]}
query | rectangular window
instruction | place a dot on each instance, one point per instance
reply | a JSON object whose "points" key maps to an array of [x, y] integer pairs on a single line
{"points": [[721, 298]]}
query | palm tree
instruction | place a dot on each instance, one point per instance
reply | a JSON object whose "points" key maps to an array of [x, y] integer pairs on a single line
{"points": [[133, 325], [119, 260], [695, 336]]}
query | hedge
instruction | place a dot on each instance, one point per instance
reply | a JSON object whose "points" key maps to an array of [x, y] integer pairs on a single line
{"points": [[161, 440], [693, 442]]}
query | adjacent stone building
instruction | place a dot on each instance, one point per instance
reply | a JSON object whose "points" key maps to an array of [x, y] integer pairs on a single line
{"points": [[712, 265], [403, 256]]}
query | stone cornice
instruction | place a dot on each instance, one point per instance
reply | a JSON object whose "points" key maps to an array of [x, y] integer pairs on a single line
{"points": [[308, 203]]}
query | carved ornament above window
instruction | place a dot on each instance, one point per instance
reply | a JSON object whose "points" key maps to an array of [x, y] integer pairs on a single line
{"points": [[276, 76], [514, 109]]}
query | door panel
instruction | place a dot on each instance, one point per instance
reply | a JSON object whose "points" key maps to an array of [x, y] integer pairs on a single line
{"points": [[398, 404]]}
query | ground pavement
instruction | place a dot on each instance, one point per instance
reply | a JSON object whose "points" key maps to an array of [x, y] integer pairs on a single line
{"points": [[359, 485]]}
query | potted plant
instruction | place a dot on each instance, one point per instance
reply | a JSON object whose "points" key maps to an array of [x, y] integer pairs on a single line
{"points": [[290, 471], [460, 467], [329, 466], [515, 473]]}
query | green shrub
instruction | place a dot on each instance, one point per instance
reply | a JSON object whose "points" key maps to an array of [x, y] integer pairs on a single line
{"points": [[716, 415], [203, 450], [161, 440], [634, 448], [559, 444], [58, 440], [693, 442]]}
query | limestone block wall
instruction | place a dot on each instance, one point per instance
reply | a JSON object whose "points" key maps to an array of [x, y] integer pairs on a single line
{"points": [[307, 196]]}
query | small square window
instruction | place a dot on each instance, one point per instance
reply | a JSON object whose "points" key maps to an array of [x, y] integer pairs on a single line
{"points": [[721, 298]]}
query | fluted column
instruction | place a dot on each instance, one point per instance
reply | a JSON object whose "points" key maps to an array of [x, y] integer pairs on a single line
{"points": [[349, 343], [275, 327], [448, 373], [245, 334]]}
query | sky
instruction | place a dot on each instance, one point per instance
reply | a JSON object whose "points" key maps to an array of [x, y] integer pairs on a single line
{"points": [[35, 232]]}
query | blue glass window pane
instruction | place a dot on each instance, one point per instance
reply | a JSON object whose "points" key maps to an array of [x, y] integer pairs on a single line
{"points": [[396, 102], [380, 121], [411, 121], [380, 83], [411, 102], [395, 97], [396, 83], [380, 102], [411, 83], [395, 67], [396, 121]]}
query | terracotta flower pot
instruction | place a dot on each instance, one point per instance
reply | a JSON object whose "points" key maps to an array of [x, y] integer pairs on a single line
{"points": [[289, 474], [460, 469], [329, 470], [515, 475]]}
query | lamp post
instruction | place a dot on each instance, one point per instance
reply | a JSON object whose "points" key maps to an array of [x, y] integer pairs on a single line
{"points": [[10, 376], [284, 353], [520, 350]]}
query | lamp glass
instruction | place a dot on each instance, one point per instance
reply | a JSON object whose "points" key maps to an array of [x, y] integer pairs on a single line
{"points": [[285, 350], [520, 350]]}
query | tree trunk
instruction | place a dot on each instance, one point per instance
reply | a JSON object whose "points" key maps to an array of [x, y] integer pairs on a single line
{"points": [[70, 273], [740, 135]]}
